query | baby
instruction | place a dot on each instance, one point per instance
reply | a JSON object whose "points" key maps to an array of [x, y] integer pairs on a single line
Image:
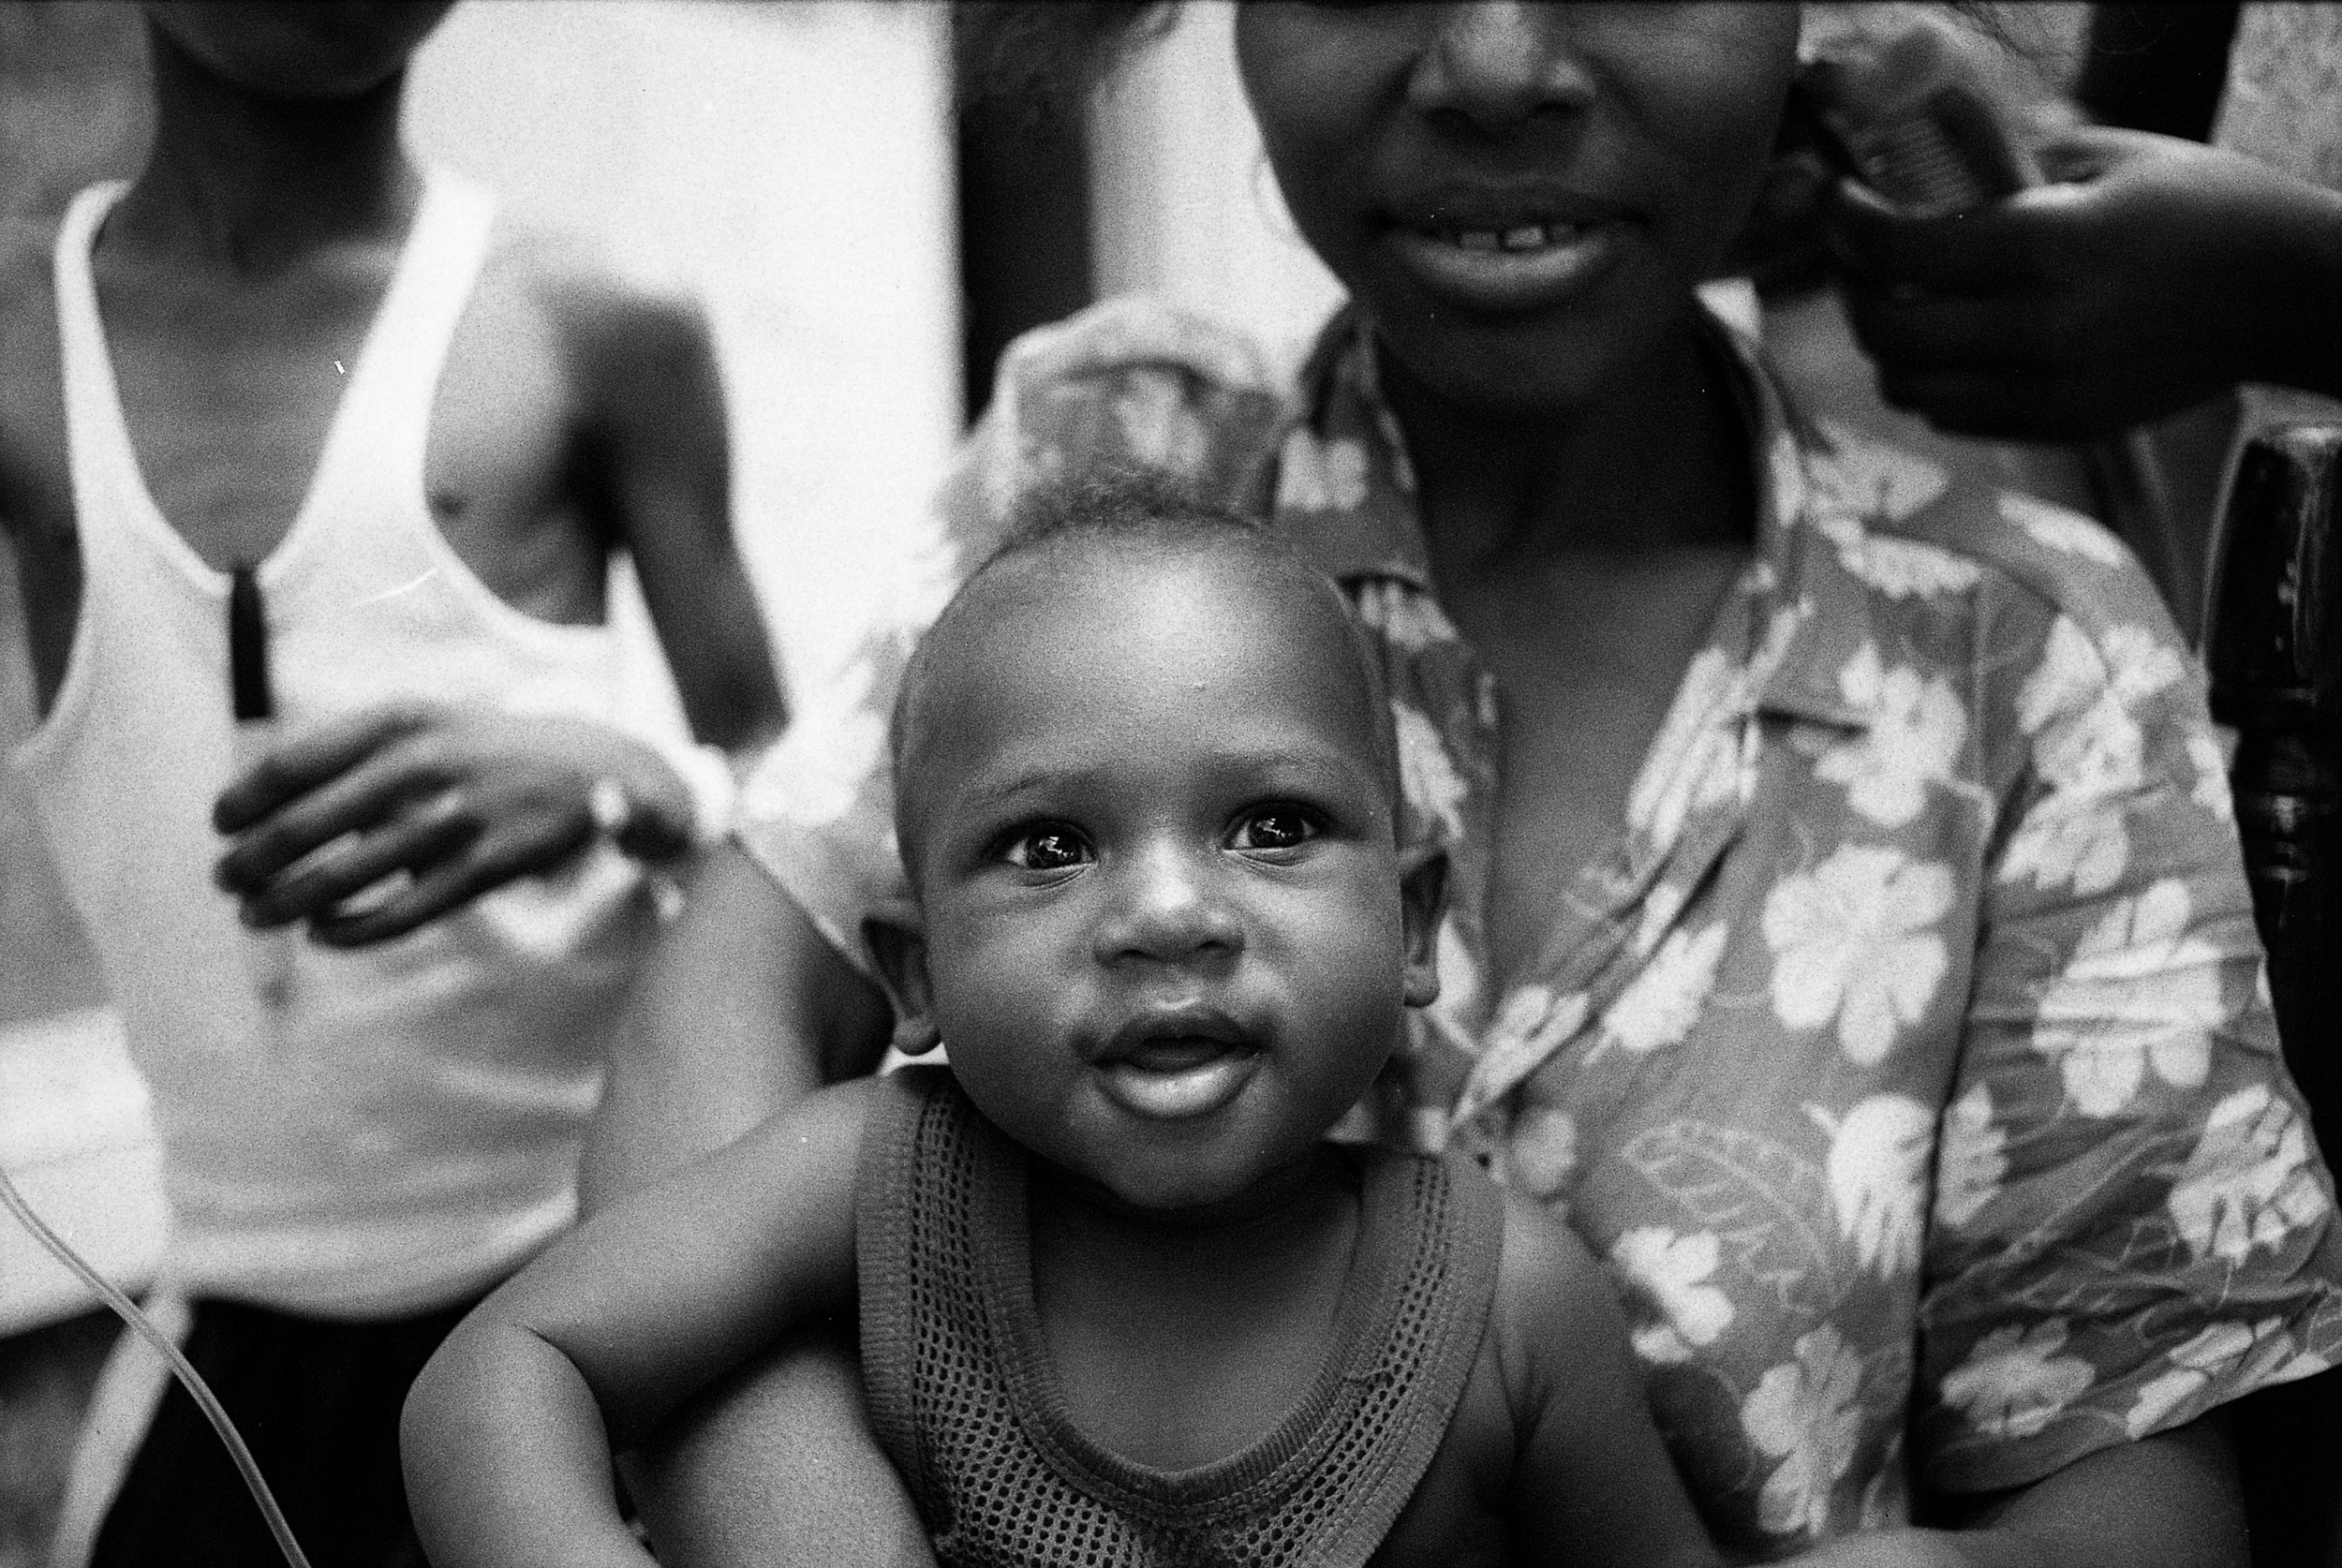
{"points": [[1120, 1301]]}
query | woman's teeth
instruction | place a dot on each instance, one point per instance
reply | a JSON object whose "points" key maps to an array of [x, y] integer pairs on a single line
{"points": [[1527, 236]]}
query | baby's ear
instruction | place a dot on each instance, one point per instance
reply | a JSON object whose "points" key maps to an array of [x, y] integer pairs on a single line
{"points": [[899, 941], [1422, 905]]}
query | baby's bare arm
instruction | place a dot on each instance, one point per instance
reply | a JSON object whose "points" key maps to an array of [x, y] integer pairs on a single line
{"points": [[1551, 1455], [508, 1433], [740, 1008], [1592, 1483]]}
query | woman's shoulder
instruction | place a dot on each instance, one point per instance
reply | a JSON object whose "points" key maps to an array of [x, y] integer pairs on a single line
{"points": [[1131, 332], [1133, 383], [1931, 537]]}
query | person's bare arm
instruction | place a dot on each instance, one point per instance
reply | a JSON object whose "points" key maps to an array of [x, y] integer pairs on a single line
{"points": [[2153, 275], [778, 1469], [2168, 1501], [464, 798], [659, 456], [740, 1008], [506, 1435], [1592, 1482]]}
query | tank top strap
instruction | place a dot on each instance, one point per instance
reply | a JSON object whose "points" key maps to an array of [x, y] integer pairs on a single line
{"points": [[107, 486], [375, 446]]}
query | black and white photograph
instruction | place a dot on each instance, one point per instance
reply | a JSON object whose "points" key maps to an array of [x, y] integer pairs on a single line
{"points": [[1170, 784]]}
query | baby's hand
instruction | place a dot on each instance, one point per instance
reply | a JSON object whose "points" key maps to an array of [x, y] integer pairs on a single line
{"points": [[423, 807], [2153, 273]]}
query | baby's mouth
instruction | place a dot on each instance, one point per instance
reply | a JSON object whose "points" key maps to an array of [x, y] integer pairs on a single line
{"points": [[1170, 1070]]}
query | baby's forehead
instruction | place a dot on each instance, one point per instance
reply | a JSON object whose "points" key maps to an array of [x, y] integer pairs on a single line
{"points": [[1112, 604], [1110, 611], [1122, 582]]}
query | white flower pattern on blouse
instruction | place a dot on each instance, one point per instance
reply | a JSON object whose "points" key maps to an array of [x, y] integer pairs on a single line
{"points": [[2016, 1380], [1854, 945], [1665, 1000], [1914, 737], [1672, 1276], [2265, 1351], [1807, 1414], [1972, 1159], [2251, 1181], [2138, 1001], [1907, 1056], [2059, 529], [1877, 1168]]}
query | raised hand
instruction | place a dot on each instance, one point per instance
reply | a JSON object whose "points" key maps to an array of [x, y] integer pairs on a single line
{"points": [[2152, 273]]}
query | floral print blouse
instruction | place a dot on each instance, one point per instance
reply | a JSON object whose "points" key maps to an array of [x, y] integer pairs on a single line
{"points": [[1907, 1057]]}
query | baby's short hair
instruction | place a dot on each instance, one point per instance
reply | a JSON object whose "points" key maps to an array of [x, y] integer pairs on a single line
{"points": [[1137, 505], [1132, 512]]}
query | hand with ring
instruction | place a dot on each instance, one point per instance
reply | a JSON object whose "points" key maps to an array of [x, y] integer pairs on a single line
{"points": [[369, 825]]}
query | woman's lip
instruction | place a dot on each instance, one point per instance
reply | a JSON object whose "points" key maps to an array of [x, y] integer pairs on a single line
{"points": [[1172, 1080], [1508, 270]]}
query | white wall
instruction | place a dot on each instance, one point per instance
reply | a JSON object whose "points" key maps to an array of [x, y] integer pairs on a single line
{"points": [[793, 161], [1184, 206]]}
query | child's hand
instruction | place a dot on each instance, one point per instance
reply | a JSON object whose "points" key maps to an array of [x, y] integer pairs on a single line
{"points": [[2158, 274], [431, 804]]}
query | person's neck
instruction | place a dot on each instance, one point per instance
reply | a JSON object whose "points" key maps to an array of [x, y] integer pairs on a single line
{"points": [[249, 186], [1656, 461], [1282, 1198]]}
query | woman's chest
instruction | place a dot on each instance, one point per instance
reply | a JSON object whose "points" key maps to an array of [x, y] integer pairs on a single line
{"points": [[1588, 655], [1750, 1117], [243, 407]]}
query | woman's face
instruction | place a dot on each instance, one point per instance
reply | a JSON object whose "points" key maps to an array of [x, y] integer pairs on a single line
{"points": [[1522, 195]]}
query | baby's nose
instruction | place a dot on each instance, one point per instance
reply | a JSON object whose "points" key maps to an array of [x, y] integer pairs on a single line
{"points": [[1169, 908]]}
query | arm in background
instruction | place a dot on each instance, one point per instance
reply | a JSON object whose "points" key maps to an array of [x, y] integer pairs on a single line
{"points": [[468, 797]]}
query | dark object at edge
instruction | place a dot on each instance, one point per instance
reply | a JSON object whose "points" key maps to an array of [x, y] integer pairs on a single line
{"points": [[2156, 67], [2275, 647]]}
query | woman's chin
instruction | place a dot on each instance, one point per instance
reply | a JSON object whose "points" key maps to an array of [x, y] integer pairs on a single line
{"points": [[1515, 369], [1496, 377]]}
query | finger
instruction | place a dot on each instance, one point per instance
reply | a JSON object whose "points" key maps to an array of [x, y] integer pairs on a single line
{"points": [[1990, 250], [2079, 152], [453, 883], [357, 802], [444, 887], [295, 766], [435, 832]]}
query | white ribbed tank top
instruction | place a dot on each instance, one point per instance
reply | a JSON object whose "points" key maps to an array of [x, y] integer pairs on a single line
{"points": [[403, 1130]]}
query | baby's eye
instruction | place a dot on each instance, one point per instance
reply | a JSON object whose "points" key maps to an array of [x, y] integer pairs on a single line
{"points": [[1052, 847], [1273, 827]]}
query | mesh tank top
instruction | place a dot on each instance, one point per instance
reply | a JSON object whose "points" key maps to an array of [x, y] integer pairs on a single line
{"points": [[964, 1400]]}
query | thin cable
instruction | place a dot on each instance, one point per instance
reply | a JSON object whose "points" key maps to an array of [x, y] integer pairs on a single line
{"points": [[127, 1310]]}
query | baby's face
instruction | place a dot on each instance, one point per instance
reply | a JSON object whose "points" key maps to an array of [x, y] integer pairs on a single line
{"points": [[1154, 851]]}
